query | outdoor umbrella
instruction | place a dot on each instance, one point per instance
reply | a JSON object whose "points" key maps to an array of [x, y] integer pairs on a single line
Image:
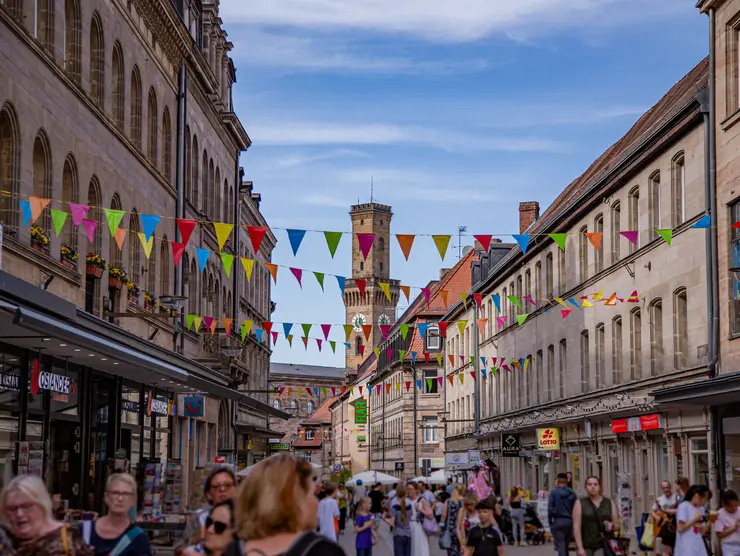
{"points": [[372, 477], [436, 478]]}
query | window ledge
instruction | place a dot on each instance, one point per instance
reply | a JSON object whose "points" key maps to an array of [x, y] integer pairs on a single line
{"points": [[730, 120]]}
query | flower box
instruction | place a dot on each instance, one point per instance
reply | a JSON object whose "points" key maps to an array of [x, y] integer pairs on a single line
{"points": [[69, 263], [40, 247], [115, 283], [94, 271]]}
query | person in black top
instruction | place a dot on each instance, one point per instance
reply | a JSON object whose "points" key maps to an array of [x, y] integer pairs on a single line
{"points": [[484, 539], [377, 497]]}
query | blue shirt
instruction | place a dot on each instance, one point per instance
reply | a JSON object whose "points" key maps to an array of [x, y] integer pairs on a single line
{"points": [[364, 539], [401, 529], [560, 504]]}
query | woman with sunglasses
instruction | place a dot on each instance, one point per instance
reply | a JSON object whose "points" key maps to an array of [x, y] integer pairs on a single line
{"points": [[219, 528]]}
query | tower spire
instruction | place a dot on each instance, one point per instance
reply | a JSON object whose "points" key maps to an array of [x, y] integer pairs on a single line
{"points": [[371, 189]]}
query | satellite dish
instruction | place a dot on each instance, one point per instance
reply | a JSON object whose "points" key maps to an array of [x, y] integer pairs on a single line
{"points": [[467, 249]]}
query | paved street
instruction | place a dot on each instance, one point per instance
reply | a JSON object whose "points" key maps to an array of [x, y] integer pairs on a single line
{"points": [[385, 545]]}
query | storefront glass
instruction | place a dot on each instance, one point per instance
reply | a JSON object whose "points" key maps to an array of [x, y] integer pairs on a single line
{"points": [[10, 372], [131, 424], [699, 461], [662, 454]]}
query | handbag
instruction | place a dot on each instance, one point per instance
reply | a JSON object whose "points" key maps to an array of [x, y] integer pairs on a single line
{"points": [[445, 539], [430, 526], [648, 534], [612, 547]]}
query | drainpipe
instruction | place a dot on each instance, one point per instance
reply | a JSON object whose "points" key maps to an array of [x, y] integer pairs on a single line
{"points": [[476, 370], [416, 423], [182, 104], [237, 246]]}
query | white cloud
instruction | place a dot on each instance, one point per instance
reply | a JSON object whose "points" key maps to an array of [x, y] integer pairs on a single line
{"points": [[323, 200], [442, 20], [329, 133], [303, 159]]}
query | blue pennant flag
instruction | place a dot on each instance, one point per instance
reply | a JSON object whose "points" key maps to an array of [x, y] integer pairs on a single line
{"points": [[418, 384], [149, 223], [422, 327], [413, 357], [295, 237], [341, 280], [316, 391], [703, 222], [573, 302], [346, 344], [522, 240], [483, 360], [286, 328], [497, 301], [483, 372], [258, 333], [202, 255], [26, 210], [521, 362]]}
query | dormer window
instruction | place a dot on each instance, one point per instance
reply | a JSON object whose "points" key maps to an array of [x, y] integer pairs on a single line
{"points": [[433, 341]]}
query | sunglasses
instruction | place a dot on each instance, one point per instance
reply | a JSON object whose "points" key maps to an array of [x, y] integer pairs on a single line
{"points": [[218, 526]]}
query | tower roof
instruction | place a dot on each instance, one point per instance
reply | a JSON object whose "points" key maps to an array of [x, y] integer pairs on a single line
{"points": [[370, 207]]}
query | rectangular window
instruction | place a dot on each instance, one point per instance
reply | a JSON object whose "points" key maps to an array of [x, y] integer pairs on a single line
{"points": [[617, 350], [735, 263], [549, 276], [654, 202], [633, 216], [616, 229], [680, 330], [540, 380], [537, 282], [550, 373], [561, 267], [585, 367], [678, 182], [599, 253], [600, 356], [656, 337], [563, 366], [636, 344], [431, 384], [431, 430], [582, 254], [433, 339]]}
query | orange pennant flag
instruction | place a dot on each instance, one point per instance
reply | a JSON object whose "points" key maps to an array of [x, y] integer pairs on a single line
{"points": [[38, 204], [595, 239], [406, 291], [367, 329], [482, 323], [452, 360], [305, 342], [120, 236], [451, 378], [405, 241], [214, 325], [612, 301], [443, 295], [227, 325], [273, 270]]}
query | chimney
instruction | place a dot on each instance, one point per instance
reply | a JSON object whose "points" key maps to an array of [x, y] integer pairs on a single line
{"points": [[443, 272], [529, 211], [477, 246]]}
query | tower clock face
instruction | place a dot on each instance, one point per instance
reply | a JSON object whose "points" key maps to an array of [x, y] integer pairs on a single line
{"points": [[384, 319], [357, 321]]}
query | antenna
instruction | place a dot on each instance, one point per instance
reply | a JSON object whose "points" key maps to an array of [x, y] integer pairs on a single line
{"points": [[371, 189], [460, 231]]}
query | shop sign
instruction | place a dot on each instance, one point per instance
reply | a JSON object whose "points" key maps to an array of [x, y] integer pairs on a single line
{"points": [[460, 458], [437, 463], [548, 439], [131, 407], [361, 412], [160, 407], [510, 445], [474, 457], [41, 380], [650, 422], [279, 447], [10, 382], [194, 406], [219, 459], [361, 438], [619, 425]]}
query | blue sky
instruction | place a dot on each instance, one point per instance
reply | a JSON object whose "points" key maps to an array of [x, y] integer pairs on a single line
{"points": [[458, 110]]}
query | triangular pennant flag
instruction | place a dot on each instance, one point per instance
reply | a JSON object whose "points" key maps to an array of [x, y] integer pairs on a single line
{"points": [[213, 326], [429, 385], [478, 297], [320, 279], [361, 285], [501, 321], [422, 328], [289, 337], [333, 345], [248, 325], [573, 302], [559, 239], [367, 329], [402, 354], [408, 385], [362, 350], [256, 235], [464, 298], [78, 213], [376, 351], [483, 361], [273, 268], [515, 300], [612, 301], [177, 250], [461, 378], [472, 359], [389, 354], [92, 225], [248, 265], [586, 304], [529, 299], [258, 333], [114, 219], [704, 222], [189, 319], [228, 262], [560, 300], [484, 240], [298, 273], [340, 282], [522, 240], [667, 235], [441, 242], [243, 331], [443, 296], [332, 240], [365, 242], [120, 236], [386, 287], [306, 329], [633, 298], [461, 324], [388, 387], [451, 378], [439, 359], [595, 239], [287, 326], [497, 301], [521, 319], [405, 241], [267, 325], [452, 360], [631, 236], [360, 389], [149, 224], [483, 372], [565, 312], [426, 358], [597, 295], [326, 328], [227, 325], [197, 322], [406, 291], [202, 255], [347, 331], [472, 374], [223, 231], [38, 204], [418, 384], [305, 342], [295, 237], [59, 217], [186, 228], [318, 343], [25, 211], [442, 328], [385, 329], [482, 323]]}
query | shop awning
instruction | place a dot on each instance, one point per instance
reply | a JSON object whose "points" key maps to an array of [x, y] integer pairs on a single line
{"points": [[253, 430], [720, 390]]}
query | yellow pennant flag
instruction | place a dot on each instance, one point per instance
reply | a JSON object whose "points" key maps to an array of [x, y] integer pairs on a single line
{"points": [[147, 244], [464, 297], [223, 231], [461, 324], [347, 331], [586, 304], [248, 265], [198, 320], [248, 325], [461, 377], [597, 295], [441, 242], [560, 300], [386, 287]]}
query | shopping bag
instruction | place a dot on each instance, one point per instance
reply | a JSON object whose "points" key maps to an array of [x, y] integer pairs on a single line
{"points": [[648, 535]]}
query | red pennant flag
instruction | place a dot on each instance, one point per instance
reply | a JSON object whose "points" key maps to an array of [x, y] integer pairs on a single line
{"points": [[443, 328], [367, 329], [267, 326], [333, 391], [478, 299], [177, 250], [472, 373], [565, 312], [426, 358], [389, 353], [186, 228], [408, 385], [360, 389], [361, 285], [298, 273], [385, 329], [274, 338], [362, 353], [326, 328], [318, 343], [388, 388], [256, 235], [484, 240]]}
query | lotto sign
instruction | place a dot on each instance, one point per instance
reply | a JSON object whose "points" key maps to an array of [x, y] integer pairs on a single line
{"points": [[548, 439]]}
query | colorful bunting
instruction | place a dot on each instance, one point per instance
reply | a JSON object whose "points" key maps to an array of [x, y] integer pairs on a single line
{"points": [[522, 240], [59, 217], [365, 242], [484, 240], [149, 224], [442, 328], [25, 211], [340, 282], [201, 254], [273, 269], [361, 285], [177, 250], [320, 279], [478, 299], [443, 296], [521, 319], [441, 241], [186, 228], [631, 236], [228, 262], [481, 323], [385, 329], [332, 241], [565, 312], [114, 219], [497, 301], [248, 265], [256, 235], [347, 331], [559, 239], [404, 328], [326, 328], [422, 328], [406, 291], [595, 239], [367, 329], [667, 235], [704, 222], [386, 287], [515, 300], [120, 237], [92, 225], [295, 237], [78, 212], [406, 242], [298, 273], [461, 324]]}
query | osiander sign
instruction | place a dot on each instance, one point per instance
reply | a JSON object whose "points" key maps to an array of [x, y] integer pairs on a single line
{"points": [[548, 439]]}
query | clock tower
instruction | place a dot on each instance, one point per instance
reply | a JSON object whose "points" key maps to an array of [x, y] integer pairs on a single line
{"points": [[373, 307]]}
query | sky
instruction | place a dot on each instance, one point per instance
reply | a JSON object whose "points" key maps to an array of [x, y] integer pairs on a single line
{"points": [[458, 111]]}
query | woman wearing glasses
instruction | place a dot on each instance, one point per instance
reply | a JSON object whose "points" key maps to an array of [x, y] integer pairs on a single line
{"points": [[114, 534]]}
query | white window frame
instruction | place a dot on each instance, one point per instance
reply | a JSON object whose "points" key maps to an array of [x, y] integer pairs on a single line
{"points": [[433, 340], [435, 382], [431, 433], [309, 434]]}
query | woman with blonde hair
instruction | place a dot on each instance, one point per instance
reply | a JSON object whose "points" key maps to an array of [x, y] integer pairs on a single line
{"points": [[27, 512], [449, 519], [277, 512], [468, 516], [114, 534]]}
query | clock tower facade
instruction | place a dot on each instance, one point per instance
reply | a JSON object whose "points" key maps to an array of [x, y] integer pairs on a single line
{"points": [[373, 307]]}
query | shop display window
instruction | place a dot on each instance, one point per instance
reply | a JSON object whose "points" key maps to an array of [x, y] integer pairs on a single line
{"points": [[10, 373], [699, 461]]}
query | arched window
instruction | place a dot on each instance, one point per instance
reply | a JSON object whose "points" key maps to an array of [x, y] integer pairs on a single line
{"points": [[583, 254], [563, 366], [617, 350], [151, 274], [358, 346], [212, 206], [549, 278], [585, 363], [195, 154], [136, 107], [42, 175], [599, 343], [205, 188], [134, 249], [164, 271], [550, 372], [680, 329], [70, 193], [44, 19], [194, 275], [678, 185], [152, 122], [656, 337], [599, 253], [119, 95], [276, 404], [225, 216], [636, 344], [633, 216], [72, 39], [115, 257], [97, 61], [9, 165], [294, 406], [217, 216], [616, 229], [166, 145], [309, 407], [654, 211], [92, 286]]}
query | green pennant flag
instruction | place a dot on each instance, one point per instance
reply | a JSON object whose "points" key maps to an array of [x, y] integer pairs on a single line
{"points": [[59, 217], [402, 354], [560, 239], [244, 331], [114, 219], [515, 300], [472, 359], [332, 240], [320, 279], [404, 330], [667, 235], [228, 261], [493, 372], [429, 385], [189, 320], [323, 391], [333, 345], [521, 319], [306, 329]]}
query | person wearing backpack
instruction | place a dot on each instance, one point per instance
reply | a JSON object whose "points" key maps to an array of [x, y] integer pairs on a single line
{"points": [[114, 534]]}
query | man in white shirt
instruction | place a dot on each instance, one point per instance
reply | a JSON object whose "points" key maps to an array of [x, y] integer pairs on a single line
{"points": [[328, 512]]}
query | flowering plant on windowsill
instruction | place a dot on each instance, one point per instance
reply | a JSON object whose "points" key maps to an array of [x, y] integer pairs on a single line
{"points": [[68, 252], [148, 299], [133, 289], [96, 261], [39, 236], [118, 273]]}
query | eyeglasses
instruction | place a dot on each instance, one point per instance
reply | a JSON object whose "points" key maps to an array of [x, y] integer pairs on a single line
{"points": [[119, 494], [222, 486], [218, 526], [23, 508]]}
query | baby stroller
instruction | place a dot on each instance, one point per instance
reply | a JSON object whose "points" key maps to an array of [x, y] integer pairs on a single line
{"points": [[533, 530], [505, 526]]}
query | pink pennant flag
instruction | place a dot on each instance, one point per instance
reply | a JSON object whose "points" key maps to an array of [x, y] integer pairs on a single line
{"points": [[427, 293], [389, 354], [318, 343], [208, 321], [90, 227], [631, 236], [385, 329], [528, 298], [78, 213], [565, 312], [501, 321], [462, 359], [366, 242], [281, 390], [377, 389], [298, 273], [439, 380], [326, 328], [274, 338]]}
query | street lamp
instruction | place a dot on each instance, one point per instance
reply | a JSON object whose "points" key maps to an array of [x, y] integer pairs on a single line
{"points": [[173, 302]]}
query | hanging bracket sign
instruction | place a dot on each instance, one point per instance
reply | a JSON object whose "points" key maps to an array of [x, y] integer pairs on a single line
{"points": [[510, 445]]}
